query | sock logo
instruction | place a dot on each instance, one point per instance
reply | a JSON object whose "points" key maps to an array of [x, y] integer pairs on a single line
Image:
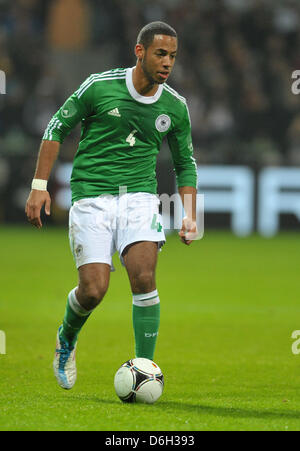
{"points": [[151, 335]]}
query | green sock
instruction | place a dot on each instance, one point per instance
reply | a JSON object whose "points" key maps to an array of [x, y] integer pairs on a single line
{"points": [[146, 317], [74, 319]]}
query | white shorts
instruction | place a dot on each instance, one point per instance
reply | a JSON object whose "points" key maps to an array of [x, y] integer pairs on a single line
{"points": [[100, 226]]}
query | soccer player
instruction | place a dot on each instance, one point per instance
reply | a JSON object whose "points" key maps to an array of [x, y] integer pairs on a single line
{"points": [[124, 114]]}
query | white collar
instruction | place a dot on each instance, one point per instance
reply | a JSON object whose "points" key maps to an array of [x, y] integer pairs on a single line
{"points": [[133, 92]]}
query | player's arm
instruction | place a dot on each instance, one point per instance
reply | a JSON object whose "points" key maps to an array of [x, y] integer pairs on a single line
{"points": [[39, 196], [76, 108], [188, 230], [180, 143]]}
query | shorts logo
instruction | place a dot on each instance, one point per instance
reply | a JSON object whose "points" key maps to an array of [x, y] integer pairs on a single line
{"points": [[78, 250], [163, 123]]}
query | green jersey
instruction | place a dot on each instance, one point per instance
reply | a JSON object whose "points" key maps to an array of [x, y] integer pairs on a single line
{"points": [[121, 134]]}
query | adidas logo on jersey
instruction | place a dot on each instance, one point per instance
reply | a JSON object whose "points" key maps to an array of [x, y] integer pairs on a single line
{"points": [[114, 112]]}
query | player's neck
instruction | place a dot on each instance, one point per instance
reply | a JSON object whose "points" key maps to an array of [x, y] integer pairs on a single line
{"points": [[141, 82]]}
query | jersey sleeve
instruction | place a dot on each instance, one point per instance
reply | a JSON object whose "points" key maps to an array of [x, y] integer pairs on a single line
{"points": [[76, 108], [181, 146]]}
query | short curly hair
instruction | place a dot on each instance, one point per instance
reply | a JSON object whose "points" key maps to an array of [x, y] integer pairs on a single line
{"points": [[147, 33]]}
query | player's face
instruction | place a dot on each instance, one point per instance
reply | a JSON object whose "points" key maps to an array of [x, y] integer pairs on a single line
{"points": [[159, 58]]}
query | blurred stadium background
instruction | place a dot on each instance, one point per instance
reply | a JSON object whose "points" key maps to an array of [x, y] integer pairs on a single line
{"points": [[235, 67], [230, 317]]}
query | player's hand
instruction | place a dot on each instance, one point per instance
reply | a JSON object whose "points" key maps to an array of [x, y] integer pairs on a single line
{"points": [[34, 204], [188, 232]]}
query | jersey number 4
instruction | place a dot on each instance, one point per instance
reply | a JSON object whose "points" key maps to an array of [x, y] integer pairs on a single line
{"points": [[131, 139]]}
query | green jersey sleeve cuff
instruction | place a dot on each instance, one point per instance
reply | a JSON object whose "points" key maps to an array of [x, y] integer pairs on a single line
{"points": [[187, 177]]}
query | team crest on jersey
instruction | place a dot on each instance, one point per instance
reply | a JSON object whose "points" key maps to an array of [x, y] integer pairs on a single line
{"points": [[163, 123], [68, 109]]}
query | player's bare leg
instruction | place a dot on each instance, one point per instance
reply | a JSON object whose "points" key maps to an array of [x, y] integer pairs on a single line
{"points": [[82, 300], [140, 261], [93, 284]]}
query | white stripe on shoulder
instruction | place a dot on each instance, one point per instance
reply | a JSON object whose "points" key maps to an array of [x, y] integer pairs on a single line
{"points": [[174, 93], [86, 82], [114, 74], [99, 79], [101, 74], [173, 90]]}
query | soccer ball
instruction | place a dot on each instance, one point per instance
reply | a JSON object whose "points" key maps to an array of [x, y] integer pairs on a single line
{"points": [[139, 380]]}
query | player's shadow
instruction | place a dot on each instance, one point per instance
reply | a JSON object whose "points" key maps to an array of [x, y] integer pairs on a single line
{"points": [[202, 409], [232, 412]]}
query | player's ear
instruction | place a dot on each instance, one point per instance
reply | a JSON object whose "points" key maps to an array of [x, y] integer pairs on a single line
{"points": [[139, 51]]}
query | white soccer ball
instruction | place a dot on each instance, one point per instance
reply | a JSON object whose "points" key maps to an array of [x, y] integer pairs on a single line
{"points": [[139, 380]]}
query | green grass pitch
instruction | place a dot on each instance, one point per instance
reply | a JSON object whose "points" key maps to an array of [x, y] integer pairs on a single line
{"points": [[228, 308]]}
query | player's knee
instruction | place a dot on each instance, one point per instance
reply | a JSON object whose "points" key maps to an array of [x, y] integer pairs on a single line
{"points": [[92, 294], [144, 281]]}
